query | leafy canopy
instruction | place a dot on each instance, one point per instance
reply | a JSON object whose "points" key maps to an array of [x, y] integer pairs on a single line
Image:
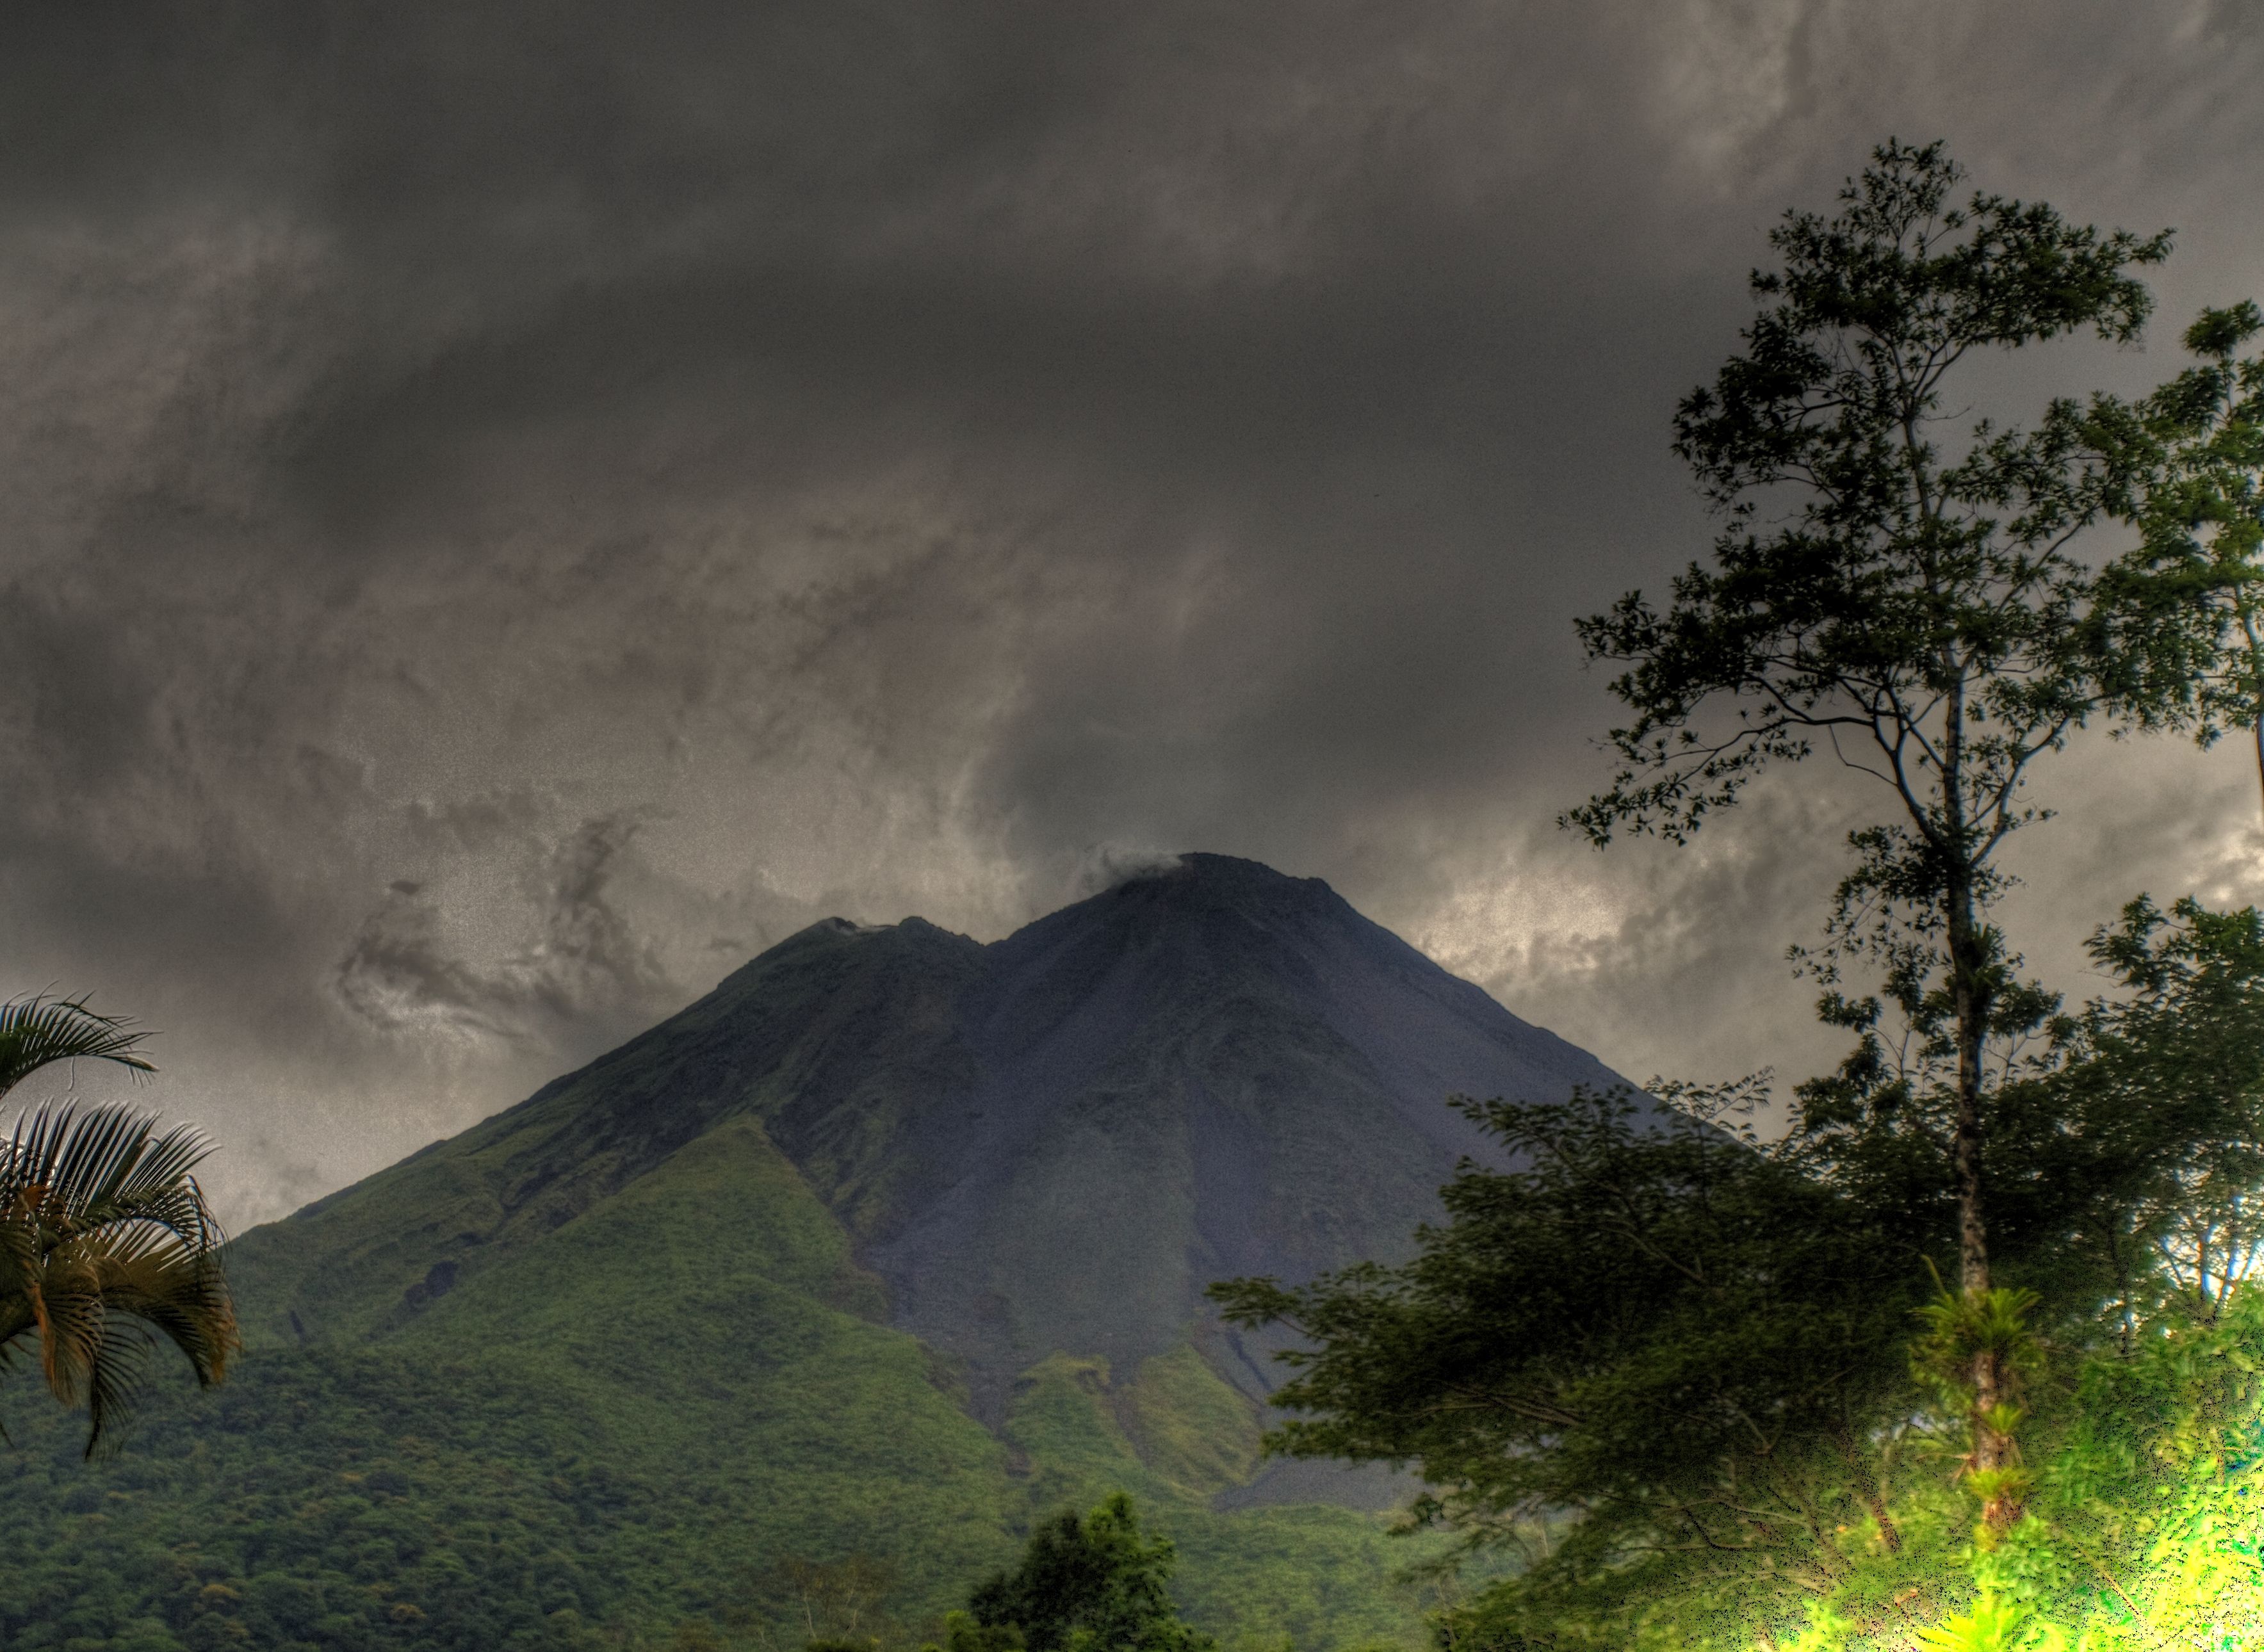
{"points": [[1918, 609], [1655, 1325], [2195, 450], [1089, 1585]]}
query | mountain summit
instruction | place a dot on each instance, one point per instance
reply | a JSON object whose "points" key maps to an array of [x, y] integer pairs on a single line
{"points": [[1207, 1071]]}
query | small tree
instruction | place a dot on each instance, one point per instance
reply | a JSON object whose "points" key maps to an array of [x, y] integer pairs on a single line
{"points": [[104, 1236], [1920, 612], [1090, 1585], [834, 1600]]}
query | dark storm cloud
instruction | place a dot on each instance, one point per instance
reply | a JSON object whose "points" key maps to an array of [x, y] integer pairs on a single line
{"points": [[514, 509]]}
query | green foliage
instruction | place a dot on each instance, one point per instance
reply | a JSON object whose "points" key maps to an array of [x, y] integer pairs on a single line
{"points": [[1188, 1425], [2195, 447], [2123, 1138], [836, 1602], [104, 1236], [1982, 1331], [1090, 1585], [961, 1632], [1923, 604], [2146, 1527], [1314, 1574], [289, 1507], [446, 1502], [1710, 1388], [1991, 1626], [1677, 1334], [2146, 1117]]}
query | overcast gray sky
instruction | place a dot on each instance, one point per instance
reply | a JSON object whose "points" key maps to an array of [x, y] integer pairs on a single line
{"points": [[511, 509]]}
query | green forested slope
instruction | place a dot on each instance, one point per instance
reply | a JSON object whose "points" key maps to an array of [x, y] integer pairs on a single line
{"points": [[829, 1039], [637, 1425]]}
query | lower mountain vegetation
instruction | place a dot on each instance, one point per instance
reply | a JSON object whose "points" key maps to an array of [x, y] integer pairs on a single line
{"points": [[362, 1498]]}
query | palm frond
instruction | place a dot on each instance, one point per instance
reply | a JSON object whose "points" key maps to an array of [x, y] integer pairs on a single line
{"points": [[116, 1383], [37, 1030], [83, 1169], [71, 1318], [148, 1280], [90, 1159], [105, 1245], [181, 1291]]}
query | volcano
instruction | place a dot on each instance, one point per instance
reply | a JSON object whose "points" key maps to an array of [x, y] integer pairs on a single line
{"points": [[1048, 1144], [889, 1246]]}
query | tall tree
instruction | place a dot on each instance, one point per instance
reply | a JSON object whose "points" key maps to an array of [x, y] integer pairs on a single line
{"points": [[1910, 600], [104, 1236]]}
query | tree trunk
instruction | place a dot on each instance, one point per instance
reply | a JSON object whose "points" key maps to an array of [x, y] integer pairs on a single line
{"points": [[2255, 647], [1992, 1448], [1971, 998], [2260, 745]]}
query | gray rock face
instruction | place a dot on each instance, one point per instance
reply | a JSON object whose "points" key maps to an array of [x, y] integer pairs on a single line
{"points": [[1213, 1071]]}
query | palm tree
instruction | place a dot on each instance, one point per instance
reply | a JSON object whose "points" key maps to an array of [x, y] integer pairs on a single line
{"points": [[105, 1239]]}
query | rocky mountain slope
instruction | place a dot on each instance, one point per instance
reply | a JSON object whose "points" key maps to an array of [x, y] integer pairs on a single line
{"points": [[1048, 1144]]}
